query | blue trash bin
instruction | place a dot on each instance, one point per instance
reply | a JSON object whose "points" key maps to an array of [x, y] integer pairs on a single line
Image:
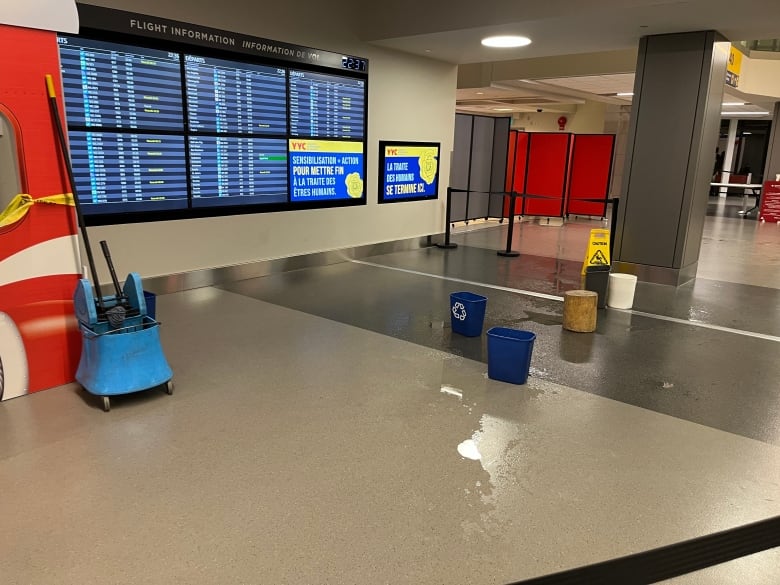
{"points": [[151, 304], [467, 313], [509, 354]]}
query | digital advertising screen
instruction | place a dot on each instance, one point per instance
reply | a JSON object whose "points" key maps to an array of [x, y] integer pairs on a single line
{"points": [[326, 170], [408, 171], [174, 134]]}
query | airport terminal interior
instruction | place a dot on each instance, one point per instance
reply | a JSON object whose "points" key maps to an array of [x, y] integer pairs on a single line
{"points": [[326, 425], [320, 419]]}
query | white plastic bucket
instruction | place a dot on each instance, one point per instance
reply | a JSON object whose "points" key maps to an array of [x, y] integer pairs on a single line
{"points": [[620, 294]]}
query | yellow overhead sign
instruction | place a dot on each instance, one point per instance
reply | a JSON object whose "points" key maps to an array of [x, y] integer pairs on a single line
{"points": [[734, 67]]}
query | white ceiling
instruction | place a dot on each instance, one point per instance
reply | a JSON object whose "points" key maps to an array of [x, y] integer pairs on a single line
{"points": [[451, 31]]}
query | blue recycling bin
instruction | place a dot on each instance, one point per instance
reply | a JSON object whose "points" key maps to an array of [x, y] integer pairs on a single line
{"points": [[467, 313], [509, 354]]}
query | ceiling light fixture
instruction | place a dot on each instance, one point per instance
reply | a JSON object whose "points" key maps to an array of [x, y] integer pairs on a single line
{"points": [[734, 104], [480, 93], [625, 94], [502, 109], [744, 113], [506, 41]]}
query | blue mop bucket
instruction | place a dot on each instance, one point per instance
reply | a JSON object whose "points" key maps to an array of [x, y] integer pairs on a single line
{"points": [[509, 354], [151, 304], [467, 313]]}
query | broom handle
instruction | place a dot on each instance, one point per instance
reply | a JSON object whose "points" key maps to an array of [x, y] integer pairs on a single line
{"points": [[64, 147]]}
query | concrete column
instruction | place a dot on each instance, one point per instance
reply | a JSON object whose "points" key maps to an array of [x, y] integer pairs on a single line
{"points": [[772, 166], [675, 122], [728, 159]]}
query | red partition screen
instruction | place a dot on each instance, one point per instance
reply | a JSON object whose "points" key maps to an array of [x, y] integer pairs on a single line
{"points": [[590, 173], [545, 182], [515, 169]]}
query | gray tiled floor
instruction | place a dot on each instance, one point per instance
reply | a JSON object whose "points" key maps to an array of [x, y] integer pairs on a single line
{"points": [[315, 431]]}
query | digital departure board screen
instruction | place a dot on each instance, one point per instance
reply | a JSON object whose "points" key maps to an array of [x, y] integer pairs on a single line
{"points": [[225, 96], [237, 171], [408, 171], [120, 86], [169, 134], [132, 172], [326, 106]]}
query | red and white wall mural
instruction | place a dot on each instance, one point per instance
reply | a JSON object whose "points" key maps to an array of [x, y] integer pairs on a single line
{"points": [[40, 343]]}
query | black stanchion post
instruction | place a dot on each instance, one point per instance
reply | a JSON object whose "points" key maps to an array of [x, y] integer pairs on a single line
{"points": [[509, 251], [447, 244], [612, 224]]}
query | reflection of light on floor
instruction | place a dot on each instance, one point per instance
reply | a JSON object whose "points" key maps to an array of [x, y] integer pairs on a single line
{"points": [[469, 450], [451, 391], [501, 451]]}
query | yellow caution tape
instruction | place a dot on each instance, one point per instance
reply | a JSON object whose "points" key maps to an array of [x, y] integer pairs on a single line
{"points": [[22, 203]]}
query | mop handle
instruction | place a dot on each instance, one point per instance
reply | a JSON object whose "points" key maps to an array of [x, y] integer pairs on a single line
{"points": [[64, 147], [107, 256]]}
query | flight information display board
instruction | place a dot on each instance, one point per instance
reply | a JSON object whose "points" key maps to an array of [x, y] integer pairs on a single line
{"points": [[228, 97], [139, 171], [409, 171], [153, 130], [235, 171], [120, 86], [326, 106]]}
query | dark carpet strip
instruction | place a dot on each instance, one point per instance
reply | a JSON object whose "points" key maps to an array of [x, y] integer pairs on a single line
{"points": [[674, 560]]}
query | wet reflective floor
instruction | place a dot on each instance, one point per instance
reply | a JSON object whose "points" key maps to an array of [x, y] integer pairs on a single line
{"points": [[329, 427]]}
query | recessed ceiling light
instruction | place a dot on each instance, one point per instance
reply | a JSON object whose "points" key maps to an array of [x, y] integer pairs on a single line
{"points": [[480, 93], [502, 109], [733, 104], [625, 93], [506, 41], [747, 133]]}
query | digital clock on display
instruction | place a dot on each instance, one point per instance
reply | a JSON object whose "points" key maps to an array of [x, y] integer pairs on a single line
{"points": [[354, 63]]}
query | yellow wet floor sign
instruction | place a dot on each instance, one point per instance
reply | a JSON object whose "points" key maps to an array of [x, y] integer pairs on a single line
{"points": [[598, 249]]}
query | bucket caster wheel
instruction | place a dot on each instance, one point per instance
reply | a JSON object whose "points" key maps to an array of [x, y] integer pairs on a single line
{"points": [[106, 404], [169, 387]]}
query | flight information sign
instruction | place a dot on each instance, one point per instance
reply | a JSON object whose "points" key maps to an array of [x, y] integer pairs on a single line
{"points": [[327, 106], [139, 171], [229, 97], [155, 130], [237, 171], [120, 86]]}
